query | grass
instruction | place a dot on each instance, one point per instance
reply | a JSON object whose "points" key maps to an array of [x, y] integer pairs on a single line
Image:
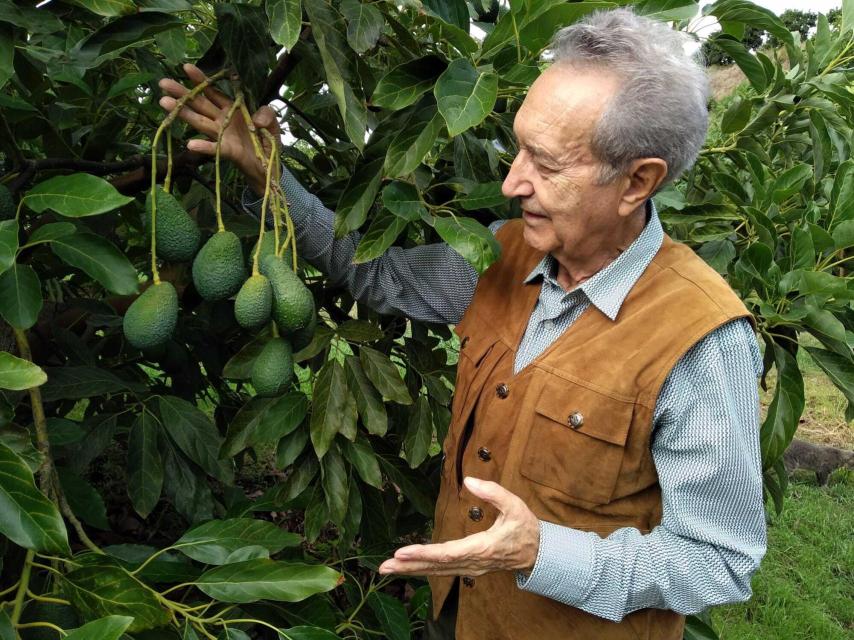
{"points": [[804, 589]]}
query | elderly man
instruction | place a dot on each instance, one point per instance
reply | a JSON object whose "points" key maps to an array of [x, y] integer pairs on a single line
{"points": [[601, 475]]}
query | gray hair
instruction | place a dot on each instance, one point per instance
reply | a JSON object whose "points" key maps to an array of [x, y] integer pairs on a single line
{"points": [[661, 108]]}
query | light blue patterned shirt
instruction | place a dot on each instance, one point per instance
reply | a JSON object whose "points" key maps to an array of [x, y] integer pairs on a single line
{"points": [[705, 442]]}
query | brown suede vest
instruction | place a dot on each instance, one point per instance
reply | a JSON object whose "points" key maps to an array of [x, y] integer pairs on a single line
{"points": [[515, 429]]}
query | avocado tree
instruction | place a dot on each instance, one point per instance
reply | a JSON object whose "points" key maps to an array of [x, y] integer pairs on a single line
{"points": [[200, 437]]}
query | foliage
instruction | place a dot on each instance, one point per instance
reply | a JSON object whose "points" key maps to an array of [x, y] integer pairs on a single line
{"points": [[150, 457]]}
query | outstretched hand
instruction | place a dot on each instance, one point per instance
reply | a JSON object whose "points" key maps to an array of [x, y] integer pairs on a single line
{"points": [[511, 543], [206, 113]]}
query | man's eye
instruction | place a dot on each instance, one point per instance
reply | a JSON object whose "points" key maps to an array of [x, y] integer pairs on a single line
{"points": [[544, 168]]}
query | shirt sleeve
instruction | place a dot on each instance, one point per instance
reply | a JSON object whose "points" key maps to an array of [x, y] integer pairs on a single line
{"points": [[712, 535], [430, 283]]}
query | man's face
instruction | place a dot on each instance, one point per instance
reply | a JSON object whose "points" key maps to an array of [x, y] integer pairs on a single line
{"points": [[554, 174]]}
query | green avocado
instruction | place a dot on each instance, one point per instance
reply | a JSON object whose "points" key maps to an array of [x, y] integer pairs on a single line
{"points": [[254, 302], [151, 319], [268, 247], [273, 369], [218, 271], [293, 304], [178, 235], [302, 338]]}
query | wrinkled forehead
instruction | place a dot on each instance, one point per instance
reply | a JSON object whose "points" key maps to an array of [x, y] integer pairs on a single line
{"points": [[565, 103]]}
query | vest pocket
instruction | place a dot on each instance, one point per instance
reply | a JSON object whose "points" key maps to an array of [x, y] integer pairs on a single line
{"points": [[577, 441]]}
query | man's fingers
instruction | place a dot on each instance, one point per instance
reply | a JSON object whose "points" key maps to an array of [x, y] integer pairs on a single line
{"points": [[202, 146], [265, 118], [199, 122], [216, 96], [200, 103], [491, 492]]}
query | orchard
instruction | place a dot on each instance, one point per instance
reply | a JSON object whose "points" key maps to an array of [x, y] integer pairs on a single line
{"points": [[200, 436]]}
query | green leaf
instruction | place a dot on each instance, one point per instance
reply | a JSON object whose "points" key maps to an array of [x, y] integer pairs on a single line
{"points": [[50, 232], [263, 579], [362, 457], [8, 243], [334, 54], [335, 485], [27, 517], [840, 371], [285, 21], [791, 181], [297, 482], [364, 24], [402, 199], [454, 12], [718, 254], [470, 239], [842, 194], [697, 629], [847, 16], [20, 441], [381, 234], [358, 198], [419, 434], [214, 541], [404, 84], [187, 488], [32, 20], [822, 151], [667, 9], [107, 8], [802, 248], [464, 95], [103, 589], [329, 398], [167, 567], [239, 367], [538, 31], [20, 296], [392, 615], [290, 447], [384, 375], [785, 408], [109, 628], [17, 374], [195, 435], [120, 34], [75, 383], [284, 415], [243, 35], [415, 140], [144, 464], [745, 60], [100, 259], [86, 503], [359, 331], [736, 117], [843, 235], [7, 54], [369, 405], [483, 196]]}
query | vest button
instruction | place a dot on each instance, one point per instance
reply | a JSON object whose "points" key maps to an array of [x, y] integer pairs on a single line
{"points": [[463, 342], [468, 581], [484, 454], [476, 514], [576, 419], [502, 390]]}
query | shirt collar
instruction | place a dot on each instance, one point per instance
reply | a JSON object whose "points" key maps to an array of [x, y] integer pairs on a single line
{"points": [[608, 288]]}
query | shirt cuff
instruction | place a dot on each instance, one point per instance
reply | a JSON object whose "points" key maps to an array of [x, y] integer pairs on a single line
{"points": [[563, 570]]}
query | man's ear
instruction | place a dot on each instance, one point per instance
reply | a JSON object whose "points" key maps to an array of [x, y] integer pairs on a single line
{"points": [[641, 181]]}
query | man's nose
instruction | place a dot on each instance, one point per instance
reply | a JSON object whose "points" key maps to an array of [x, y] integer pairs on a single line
{"points": [[517, 184]]}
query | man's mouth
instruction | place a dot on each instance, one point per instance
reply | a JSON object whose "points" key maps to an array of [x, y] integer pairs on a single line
{"points": [[532, 215]]}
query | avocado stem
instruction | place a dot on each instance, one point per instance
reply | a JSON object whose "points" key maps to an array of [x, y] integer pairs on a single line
{"points": [[225, 123]]}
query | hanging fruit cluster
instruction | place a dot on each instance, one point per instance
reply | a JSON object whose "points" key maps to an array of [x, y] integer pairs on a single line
{"points": [[273, 292]]}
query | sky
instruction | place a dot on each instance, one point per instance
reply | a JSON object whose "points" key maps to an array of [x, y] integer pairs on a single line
{"points": [[819, 6]]}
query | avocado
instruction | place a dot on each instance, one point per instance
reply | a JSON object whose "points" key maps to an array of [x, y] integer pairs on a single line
{"points": [[268, 246], [254, 302], [151, 319], [273, 369], [218, 269], [178, 235], [7, 203], [293, 304], [302, 338]]}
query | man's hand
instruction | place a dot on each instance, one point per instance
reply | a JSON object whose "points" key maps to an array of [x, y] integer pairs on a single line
{"points": [[206, 112], [509, 544]]}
